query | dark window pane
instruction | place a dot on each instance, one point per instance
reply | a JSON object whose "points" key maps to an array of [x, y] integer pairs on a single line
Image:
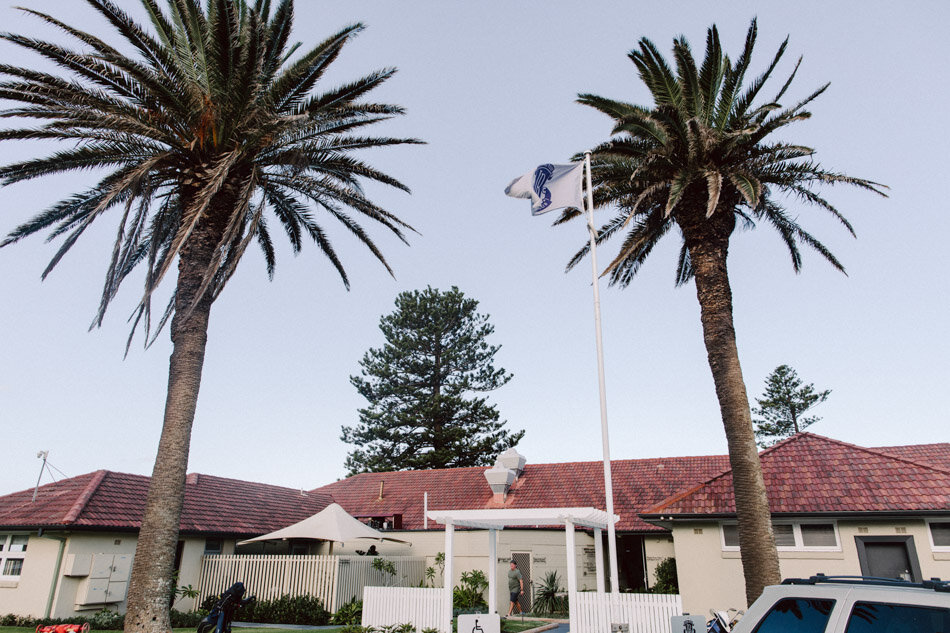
{"points": [[941, 534], [796, 615], [13, 567], [874, 617], [784, 535], [730, 535], [818, 535]]}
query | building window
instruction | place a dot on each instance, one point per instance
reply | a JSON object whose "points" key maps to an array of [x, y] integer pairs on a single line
{"points": [[12, 553], [213, 546], [790, 536], [940, 536]]}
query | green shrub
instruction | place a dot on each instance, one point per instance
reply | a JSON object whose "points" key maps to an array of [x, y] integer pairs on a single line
{"points": [[666, 580], [392, 628], [98, 620], [189, 620], [350, 613], [286, 610], [547, 597], [467, 597]]}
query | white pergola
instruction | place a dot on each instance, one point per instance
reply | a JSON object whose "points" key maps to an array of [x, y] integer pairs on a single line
{"points": [[494, 520]]}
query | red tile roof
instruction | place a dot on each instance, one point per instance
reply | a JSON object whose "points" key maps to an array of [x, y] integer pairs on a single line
{"points": [[936, 455], [805, 474], [109, 500], [638, 484], [811, 474]]}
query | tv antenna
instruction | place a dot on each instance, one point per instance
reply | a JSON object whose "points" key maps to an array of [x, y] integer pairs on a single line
{"points": [[43, 455]]}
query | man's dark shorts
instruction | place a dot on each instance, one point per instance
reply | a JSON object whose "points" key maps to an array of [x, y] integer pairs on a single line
{"points": [[514, 596]]}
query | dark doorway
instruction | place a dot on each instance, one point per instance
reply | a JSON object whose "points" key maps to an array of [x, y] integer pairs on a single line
{"points": [[523, 563], [888, 557], [632, 574]]}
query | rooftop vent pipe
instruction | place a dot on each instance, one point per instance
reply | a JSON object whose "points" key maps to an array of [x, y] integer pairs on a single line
{"points": [[512, 460], [500, 480]]}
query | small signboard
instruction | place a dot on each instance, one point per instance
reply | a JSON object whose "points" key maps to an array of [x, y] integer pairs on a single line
{"points": [[623, 627], [479, 623], [688, 624]]}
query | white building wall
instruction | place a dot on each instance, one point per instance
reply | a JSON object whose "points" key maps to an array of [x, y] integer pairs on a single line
{"points": [[712, 578], [657, 549], [30, 593], [471, 552], [29, 596]]}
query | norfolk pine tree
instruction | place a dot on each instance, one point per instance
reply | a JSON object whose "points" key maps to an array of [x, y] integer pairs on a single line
{"points": [[782, 406], [423, 389]]}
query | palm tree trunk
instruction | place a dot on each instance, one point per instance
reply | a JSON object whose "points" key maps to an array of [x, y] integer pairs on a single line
{"points": [[760, 564], [150, 587]]}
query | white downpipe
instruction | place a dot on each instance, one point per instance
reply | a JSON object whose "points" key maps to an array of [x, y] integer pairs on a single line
{"points": [[448, 578], [608, 482], [492, 571]]}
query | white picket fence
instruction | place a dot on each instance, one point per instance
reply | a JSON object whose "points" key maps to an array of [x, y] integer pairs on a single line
{"points": [[593, 612], [332, 579], [386, 606]]}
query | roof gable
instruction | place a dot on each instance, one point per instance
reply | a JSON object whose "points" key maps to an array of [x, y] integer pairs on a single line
{"points": [[110, 500], [811, 474], [638, 484]]}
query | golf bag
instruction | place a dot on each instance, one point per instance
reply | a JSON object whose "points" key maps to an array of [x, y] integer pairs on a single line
{"points": [[222, 613]]}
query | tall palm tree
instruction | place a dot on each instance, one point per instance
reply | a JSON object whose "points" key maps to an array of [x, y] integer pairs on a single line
{"points": [[208, 131], [700, 160]]}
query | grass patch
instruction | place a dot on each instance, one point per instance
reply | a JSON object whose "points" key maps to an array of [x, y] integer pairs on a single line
{"points": [[21, 629], [516, 624]]}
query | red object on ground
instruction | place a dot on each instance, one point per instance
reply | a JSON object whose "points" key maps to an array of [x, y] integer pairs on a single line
{"points": [[63, 628]]}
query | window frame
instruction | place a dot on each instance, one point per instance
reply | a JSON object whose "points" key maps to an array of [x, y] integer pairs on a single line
{"points": [[6, 540], [796, 532], [930, 535]]}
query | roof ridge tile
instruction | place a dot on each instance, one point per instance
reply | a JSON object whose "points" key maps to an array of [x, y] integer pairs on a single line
{"points": [[84, 496]]}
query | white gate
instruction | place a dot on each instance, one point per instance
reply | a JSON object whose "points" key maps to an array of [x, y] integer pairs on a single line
{"points": [[421, 607], [593, 612]]}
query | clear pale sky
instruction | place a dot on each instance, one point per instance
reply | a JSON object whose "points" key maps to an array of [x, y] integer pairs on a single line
{"points": [[491, 87]]}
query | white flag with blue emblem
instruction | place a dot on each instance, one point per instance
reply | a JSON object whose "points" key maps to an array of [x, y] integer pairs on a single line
{"points": [[550, 187]]}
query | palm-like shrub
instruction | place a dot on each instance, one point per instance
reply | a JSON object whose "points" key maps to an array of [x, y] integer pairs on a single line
{"points": [[549, 595], [701, 160], [206, 138]]}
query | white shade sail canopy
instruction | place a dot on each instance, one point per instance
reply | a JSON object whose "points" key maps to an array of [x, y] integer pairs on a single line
{"points": [[332, 523]]}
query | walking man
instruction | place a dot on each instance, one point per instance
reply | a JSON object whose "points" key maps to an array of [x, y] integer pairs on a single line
{"points": [[515, 587]]}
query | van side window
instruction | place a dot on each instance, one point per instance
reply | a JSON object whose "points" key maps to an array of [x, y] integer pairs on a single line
{"points": [[880, 617], [796, 615]]}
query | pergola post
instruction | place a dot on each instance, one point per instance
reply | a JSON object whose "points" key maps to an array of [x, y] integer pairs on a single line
{"points": [[571, 568], [447, 577], [492, 571], [599, 559]]}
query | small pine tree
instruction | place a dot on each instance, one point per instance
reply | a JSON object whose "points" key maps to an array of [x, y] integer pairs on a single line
{"points": [[423, 389], [782, 406]]}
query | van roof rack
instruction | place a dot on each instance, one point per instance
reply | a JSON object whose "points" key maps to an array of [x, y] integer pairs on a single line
{"points": [[934, 583]]}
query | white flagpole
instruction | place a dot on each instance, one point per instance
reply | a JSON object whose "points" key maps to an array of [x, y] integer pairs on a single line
{"points": [[608, 482]]}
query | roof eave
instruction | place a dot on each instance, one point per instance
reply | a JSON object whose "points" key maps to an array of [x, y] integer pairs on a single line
{"points": [[665, 519]]}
